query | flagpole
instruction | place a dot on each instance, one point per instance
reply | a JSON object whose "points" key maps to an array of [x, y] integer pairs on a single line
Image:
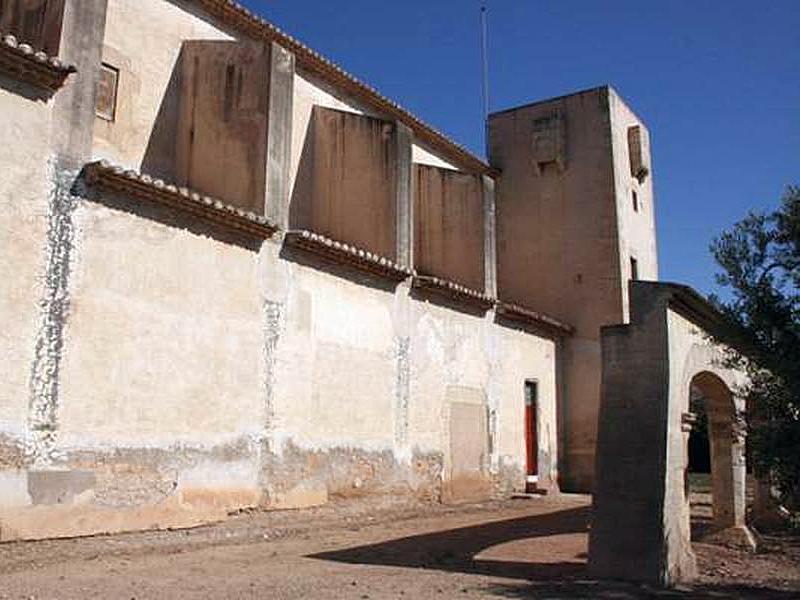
{"points": [[485, 78]]}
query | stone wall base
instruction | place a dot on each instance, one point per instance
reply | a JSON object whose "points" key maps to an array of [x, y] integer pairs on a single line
{"points": [[124, 490]]}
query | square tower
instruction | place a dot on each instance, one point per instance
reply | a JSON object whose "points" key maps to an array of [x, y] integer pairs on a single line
{"points": [[575, 222]]}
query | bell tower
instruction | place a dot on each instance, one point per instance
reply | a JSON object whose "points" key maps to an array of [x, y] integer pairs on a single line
{"points": [[575, 222]]}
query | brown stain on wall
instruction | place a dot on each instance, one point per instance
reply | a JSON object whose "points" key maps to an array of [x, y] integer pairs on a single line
{"points": [[11, 453], [352, 472], [347, 179], [221, 145], [448, 225]]}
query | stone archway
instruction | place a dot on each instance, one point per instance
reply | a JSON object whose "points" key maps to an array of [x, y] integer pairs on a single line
{"points": [[641, 519], [727, 444]]}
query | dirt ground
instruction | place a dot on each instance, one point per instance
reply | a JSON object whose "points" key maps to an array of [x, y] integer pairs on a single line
{"points": [[532, 548]]}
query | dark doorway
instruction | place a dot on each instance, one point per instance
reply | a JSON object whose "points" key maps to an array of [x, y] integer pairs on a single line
{"points": [[699, 447]]}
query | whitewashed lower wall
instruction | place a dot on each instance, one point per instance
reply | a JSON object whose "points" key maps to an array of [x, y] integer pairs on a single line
{"points": [[200, 374]]}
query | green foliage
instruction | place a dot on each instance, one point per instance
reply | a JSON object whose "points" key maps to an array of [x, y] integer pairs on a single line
{"points": [[760, 261]]}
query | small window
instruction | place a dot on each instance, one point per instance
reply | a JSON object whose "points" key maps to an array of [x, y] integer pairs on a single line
{"points": [[106, 107], [634, 269], [635, 198], [635, 155]]}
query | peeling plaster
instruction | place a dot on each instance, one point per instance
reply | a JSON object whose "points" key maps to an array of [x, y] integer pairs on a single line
{"points": [[402, 390], [273, 313], [54, 308]]}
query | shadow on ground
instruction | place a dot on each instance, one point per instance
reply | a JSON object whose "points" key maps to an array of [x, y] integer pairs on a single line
{"points": [[558, 575], [456, 549]]}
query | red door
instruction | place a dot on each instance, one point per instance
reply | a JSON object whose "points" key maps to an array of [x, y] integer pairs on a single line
{"points": [[531, 430]]}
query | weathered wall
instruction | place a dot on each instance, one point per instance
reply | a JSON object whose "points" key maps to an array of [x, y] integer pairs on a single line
{"points": [[221, 142], [448, 225], [143, 40], [201, 375], [347, 180], [558, 226]]}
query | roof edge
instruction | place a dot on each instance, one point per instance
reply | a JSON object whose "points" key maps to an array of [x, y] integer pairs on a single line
{"points": [[21, 61], [242, 19], [692, 305], [605, 87]]}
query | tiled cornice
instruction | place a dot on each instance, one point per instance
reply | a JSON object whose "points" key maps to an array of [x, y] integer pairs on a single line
{"points": [[515, 312], [347, 254], [241, 19], [111, 177], [21, 61], [453, 291]]}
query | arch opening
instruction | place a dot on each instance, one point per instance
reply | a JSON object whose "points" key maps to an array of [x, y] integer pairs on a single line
{"points": [[722, 488]]}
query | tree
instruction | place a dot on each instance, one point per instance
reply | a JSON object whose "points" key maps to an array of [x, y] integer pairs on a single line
{"points": [[760, 262]]}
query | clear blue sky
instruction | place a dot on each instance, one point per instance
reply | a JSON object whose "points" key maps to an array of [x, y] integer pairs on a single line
{"points": [[717, 82]]}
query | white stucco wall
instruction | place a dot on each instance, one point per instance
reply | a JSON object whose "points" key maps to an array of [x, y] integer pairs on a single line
{"points": [[420, 154], [24, 192], [163, 339], [165, 347], [337, 367], [637, 229]]}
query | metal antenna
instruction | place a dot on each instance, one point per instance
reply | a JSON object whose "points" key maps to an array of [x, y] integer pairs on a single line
{"points": [[485, 68]]}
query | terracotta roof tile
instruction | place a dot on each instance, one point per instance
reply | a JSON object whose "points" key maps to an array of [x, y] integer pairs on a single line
{"points": [[515, 312], [454, 291], [22, 61], [104, 175], [342, 252]]}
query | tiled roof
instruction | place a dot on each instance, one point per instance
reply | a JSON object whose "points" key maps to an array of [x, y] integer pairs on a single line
{"points": [[515, 312], [22, 61], [453, 291], [242, 19], [345, 253], [104, 175]]}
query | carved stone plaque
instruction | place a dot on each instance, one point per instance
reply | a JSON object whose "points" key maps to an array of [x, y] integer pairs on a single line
{"points": [[548, 142]]}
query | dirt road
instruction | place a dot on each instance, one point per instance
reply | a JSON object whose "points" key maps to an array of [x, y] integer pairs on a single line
{"points": [[515, 549]]}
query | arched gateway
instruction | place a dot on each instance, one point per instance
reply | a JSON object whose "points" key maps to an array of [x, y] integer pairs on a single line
{"points": [[651, 366]]}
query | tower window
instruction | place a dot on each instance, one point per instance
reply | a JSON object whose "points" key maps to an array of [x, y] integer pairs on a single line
{"points": [[635, 198], [635, 154], [106, 107], [634, 269]]}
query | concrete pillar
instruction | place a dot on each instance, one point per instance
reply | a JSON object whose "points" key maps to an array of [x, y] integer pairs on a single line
{"points": [[729, 484], [279, 135], [724, 503], [489, 238], [404, 227], [82, 36], [640, 529]]}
